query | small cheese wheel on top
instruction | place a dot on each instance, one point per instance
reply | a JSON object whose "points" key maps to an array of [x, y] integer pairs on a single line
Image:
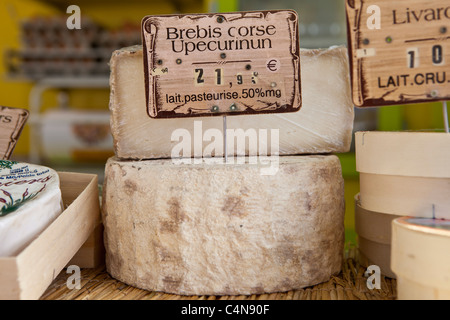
{"points": [[30, 199]]}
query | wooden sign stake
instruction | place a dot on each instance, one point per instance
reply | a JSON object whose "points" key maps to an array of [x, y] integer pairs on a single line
{"points": [[444, 110], [225, 150]]}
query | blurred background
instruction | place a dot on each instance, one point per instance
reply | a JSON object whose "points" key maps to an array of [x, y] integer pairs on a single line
{"points": [[62, 75]]}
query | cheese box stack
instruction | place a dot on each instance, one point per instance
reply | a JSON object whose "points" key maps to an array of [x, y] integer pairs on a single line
{"points": [[251, 224], [421, 258], [401, 174]]}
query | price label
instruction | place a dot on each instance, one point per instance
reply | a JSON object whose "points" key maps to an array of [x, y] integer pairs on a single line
{"points": [[12, 121], [399, 51], [221, 64]]}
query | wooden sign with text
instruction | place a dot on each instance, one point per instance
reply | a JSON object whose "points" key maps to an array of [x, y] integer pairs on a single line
{"points": [[399, 51], [12, 121], [221, 64]]}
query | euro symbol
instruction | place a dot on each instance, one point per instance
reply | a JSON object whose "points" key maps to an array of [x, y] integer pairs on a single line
{"points": [[272, 65]]}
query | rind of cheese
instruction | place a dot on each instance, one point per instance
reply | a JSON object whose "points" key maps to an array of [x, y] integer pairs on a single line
{"points": [[223, 229], [30, 199], [323, 125]]}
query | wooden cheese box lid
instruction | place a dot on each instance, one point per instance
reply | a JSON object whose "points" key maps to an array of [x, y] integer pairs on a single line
{"points": [[420, 154]]}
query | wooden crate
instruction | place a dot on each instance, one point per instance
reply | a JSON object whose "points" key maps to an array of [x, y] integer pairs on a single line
{"points": [[27, 275]]}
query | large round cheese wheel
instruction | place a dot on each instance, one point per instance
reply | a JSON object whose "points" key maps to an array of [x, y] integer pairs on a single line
{"points": [[30, 199], [224, 229], [421, 258]]}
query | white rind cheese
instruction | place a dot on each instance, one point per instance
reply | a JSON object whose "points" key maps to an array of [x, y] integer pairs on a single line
{"points": [[30, 199], [323, 125], [223, 229]]}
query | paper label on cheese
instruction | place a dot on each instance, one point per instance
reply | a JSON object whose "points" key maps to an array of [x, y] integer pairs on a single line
{"points": [[22, 182]]}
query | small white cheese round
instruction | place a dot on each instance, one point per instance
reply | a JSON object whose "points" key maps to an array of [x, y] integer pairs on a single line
{"points": [[30, 199]]}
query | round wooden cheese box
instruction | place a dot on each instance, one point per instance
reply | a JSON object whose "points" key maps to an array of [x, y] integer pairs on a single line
{"points": [[421, 258], [404, 173], [401, 174]]}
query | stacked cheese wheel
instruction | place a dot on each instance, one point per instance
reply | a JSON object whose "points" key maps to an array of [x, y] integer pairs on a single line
{"points": [[30, 199], [188, 226], [401, 174]]}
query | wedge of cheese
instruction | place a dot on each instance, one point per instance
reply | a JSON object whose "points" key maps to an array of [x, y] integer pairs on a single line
{"points": [[224, 229], [323, 125], [30, 199]]}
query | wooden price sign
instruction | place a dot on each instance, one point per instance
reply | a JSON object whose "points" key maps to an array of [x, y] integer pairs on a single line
{"points": [[399, 51], [12, 121], [221, 64]]}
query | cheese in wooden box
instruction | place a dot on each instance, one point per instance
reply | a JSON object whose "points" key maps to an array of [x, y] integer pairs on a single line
{"points": [[28, 273]]}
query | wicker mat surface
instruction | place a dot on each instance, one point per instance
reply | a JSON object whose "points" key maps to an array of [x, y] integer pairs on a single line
{"points": [[350, 284]]}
